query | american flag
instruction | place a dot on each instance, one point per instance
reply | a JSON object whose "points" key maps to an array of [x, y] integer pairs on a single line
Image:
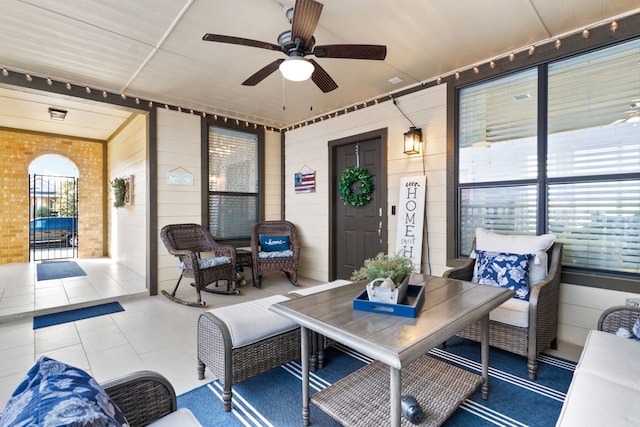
{"points": [[305, 182]]}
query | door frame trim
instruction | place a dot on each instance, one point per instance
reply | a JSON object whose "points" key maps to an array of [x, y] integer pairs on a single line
{"points": [[381, 183]]}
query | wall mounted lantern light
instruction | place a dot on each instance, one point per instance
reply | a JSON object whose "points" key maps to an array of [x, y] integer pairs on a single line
{"points": [[412, 138], [412, 141]]}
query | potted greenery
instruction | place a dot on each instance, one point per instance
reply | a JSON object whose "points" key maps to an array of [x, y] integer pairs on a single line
{"points": [[119, 186], [388, 276]]}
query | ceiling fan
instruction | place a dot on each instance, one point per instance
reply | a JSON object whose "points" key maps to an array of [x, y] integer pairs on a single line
{"points": [[298, 43]]}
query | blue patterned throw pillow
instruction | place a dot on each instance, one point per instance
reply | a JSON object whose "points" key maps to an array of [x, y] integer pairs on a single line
{"points": [[636, 328], [54, 394], [274, 243], [504, 270]]}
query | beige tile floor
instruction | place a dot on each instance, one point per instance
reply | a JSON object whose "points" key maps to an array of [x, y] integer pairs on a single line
{"points": [[152, 333]]}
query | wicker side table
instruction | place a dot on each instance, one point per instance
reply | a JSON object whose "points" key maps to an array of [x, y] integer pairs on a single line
{"points": [[244, 259]]}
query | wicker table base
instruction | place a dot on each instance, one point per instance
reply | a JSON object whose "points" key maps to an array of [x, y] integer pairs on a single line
{"points": [[362, 398]]}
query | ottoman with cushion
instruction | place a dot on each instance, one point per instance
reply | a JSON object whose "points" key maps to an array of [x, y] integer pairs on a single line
{"points": [[243, 340]]}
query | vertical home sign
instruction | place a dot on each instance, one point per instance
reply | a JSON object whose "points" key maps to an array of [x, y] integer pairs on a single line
{"points": [[411, 218]]}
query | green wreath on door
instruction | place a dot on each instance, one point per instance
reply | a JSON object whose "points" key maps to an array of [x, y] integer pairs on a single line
{"points": [[363, 182]]}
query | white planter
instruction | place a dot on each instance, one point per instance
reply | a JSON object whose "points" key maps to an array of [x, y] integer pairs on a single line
{"points": [[383, 290]]}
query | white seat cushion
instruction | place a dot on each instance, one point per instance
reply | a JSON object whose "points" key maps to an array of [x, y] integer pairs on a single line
{"points": [[252, 321], [594, 401], [182, 417], [612, 358], [512, 312], [319, 288]]}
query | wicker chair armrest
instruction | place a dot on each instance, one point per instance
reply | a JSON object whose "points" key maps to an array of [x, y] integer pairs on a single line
{"points": [[617, 317], [546, 289], [225, 250], [464, 272], [143, 396]]}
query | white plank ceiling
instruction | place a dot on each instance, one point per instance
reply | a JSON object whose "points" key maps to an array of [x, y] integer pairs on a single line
{"points": [[153, 49]]}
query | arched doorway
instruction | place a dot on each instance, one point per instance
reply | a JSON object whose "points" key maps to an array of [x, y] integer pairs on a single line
{"points": [[53, 208]]}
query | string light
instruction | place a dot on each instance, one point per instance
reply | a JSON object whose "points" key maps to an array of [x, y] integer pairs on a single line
{"points": [[557, 43]]}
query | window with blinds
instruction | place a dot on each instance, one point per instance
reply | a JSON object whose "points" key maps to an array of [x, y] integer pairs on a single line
{"points": [[587, 188], [233, 183]]}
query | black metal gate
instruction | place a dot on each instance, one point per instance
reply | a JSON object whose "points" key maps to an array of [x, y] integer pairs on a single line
{"points": [[53, 217]]}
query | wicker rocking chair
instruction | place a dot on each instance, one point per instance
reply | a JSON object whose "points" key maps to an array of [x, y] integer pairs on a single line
{"points": [[189, 242], [285, 260]]}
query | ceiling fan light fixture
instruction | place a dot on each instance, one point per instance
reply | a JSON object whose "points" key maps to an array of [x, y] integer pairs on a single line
{"points": [[296, 69]]}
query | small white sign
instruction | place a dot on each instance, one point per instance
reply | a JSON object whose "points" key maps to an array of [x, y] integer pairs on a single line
{"points": [[179, 178], [411, 219]]}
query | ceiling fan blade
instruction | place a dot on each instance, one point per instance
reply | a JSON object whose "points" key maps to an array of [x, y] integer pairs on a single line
{"points": [[240, 41], [352, 51], [322, 79], [262, 73], [306, 14]]}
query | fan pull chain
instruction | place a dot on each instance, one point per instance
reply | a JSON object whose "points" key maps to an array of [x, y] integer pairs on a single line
{"points": [[283, 104], [358, 155]]}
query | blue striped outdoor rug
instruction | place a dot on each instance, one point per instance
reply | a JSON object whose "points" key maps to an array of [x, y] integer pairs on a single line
{"points": [[274, 398]]}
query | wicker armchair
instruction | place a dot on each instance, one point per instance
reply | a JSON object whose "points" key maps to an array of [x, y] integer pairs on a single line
{"points": [[543, 314], [189, 242], [617, 317], [145, 397], [287, 264]]}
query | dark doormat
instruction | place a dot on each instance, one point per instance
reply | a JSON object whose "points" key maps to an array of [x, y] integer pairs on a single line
{"points": [[58, 270], [76, 314]]}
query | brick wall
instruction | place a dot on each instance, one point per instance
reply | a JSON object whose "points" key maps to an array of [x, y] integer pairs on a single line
{"points": [[17, 150]]}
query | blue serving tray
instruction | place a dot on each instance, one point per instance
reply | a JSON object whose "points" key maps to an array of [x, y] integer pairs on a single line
{"points": [[410, 307]]}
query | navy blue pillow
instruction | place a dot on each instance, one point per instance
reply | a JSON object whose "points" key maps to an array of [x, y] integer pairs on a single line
{"points": [[274, 243], [504, 270], [55, 394]]}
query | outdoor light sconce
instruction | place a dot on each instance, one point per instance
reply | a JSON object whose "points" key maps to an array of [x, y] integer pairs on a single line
{"points": [[412, 141], [57, 114]]}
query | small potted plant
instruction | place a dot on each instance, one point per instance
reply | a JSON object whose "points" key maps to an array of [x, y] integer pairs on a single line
{"points": [[119, 186], [388, 276]]}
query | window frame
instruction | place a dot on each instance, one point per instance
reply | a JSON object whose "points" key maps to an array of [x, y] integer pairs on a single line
{"points": [[236, 125], [575, 45]]}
